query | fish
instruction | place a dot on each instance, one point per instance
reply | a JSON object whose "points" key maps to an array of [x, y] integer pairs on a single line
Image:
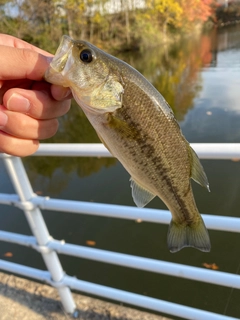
{"points": [[138, 127]]}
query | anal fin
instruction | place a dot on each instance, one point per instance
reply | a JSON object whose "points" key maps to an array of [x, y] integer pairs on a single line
{"points": [[141, 196]]}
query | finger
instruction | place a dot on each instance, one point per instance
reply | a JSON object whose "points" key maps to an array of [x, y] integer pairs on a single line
{"points": [[27, 127], [17, 147], [35, 103], [60, 93], [9, 84], [3, 119], [21, 63], [11, 41]]}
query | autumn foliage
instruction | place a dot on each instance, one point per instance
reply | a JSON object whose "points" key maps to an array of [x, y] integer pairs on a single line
{"points": [[183, 14], [197, 10], [115, 23]]}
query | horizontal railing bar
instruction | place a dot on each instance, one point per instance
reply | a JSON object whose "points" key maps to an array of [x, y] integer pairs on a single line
{"points": [[126, 260], [25, 271], [73, 150], [219, 151], [147, 264], [204, 150], [213, 222], [17, 238], [143, 301], [115, 294], [9, 199]]}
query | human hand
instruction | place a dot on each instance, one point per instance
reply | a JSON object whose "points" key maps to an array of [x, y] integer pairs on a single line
{"points": [[29, 106]]}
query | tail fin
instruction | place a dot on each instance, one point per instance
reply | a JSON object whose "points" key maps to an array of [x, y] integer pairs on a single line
{"points": [[192, 235]]}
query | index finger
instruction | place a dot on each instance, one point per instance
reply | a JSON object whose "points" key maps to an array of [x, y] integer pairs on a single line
{"points": [[22, 63], [11, 41]]}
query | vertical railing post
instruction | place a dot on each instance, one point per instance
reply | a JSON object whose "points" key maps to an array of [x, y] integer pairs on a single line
{"points": [[37, 224]]}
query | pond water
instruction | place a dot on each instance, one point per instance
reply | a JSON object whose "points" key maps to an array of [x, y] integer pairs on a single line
{"points": [[200, 78]]}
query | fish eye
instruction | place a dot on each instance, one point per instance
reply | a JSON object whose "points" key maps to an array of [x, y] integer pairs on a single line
{"points": [[86, 56]]}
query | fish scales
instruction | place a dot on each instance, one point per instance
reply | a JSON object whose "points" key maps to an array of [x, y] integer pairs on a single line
{"points": [[138, 127], [151, 151]]}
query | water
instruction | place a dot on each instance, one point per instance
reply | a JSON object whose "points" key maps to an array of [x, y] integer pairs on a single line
{"points": [[200, 78]]}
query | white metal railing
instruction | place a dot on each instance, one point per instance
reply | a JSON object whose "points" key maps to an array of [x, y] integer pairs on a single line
{"points": [[204, 150], [31, 204]]}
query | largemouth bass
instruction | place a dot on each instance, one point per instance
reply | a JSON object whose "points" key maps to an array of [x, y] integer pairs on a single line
{"points": [[138, 127]]}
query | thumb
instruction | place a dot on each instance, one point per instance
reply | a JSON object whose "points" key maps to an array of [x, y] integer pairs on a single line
{"points": [[22, 63]]}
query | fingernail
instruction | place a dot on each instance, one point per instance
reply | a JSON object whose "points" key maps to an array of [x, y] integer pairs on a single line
{"points": [[18, 103], [3, 119], [64, 93]]}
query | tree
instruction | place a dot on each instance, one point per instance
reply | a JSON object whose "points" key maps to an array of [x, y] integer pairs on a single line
{"points": [[166, 12], [74, 13], [195, 12], [11, 21]]}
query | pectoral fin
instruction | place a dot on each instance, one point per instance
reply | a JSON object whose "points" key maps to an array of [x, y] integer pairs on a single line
{"points": [[140, 195], [121, 126], [197, 171]]}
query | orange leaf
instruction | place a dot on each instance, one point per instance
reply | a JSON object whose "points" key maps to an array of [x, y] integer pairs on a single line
{"points": [[91, 243], [212, 266], [8, 254]]}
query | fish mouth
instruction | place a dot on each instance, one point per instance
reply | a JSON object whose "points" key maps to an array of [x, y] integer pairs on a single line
{"points": [[59, 65], [61, 56]]}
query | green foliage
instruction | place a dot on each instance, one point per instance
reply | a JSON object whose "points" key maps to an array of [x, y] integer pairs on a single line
{"points": [[165, 11]]}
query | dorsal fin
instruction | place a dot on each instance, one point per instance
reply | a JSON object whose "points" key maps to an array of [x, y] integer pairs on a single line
{"points": [[197, 172]]}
